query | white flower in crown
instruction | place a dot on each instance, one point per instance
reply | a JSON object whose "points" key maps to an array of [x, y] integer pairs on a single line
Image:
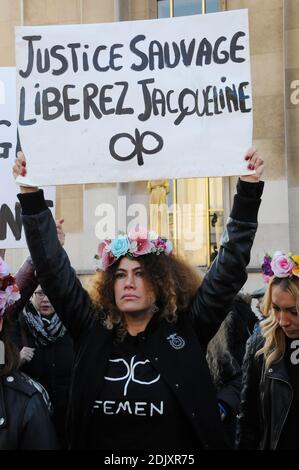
{"points": [[9, 291], [4, 268]]}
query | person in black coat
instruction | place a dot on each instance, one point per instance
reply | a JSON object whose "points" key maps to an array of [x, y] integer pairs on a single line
{"points": [[46, 351], [225, 357], [140, 379], [25, 422]]}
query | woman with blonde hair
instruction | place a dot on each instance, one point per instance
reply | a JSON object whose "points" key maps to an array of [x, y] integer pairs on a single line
{"points": [[270, 394], [140, 378]]}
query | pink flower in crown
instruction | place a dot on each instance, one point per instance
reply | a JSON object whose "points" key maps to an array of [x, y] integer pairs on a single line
{"points": [[9, 296], [107, 259], [282, 265], [104, 258], [140, 244], [12, 294], [4, 268], [141, 247], [103, 246]]}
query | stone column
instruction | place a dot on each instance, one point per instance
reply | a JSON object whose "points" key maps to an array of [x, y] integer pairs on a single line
{"points": [[291, 34]]}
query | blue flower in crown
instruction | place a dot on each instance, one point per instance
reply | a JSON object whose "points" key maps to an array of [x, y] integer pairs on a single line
{"points": [[120, 246]]}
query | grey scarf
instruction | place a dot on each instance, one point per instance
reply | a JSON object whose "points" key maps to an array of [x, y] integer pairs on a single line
{"points": [[43, 330]]}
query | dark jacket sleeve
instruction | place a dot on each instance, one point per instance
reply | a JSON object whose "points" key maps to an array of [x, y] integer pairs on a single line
{"points": [[27, 283], [227, 273], [54, 272], [248, 435], [230, 393], [38, 431]]}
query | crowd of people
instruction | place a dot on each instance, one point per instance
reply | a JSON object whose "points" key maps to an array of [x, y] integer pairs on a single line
{"points": [[153, 356]]}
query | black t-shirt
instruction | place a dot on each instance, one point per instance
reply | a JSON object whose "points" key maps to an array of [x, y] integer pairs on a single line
{"points": [[289, 435], [135, 409]]}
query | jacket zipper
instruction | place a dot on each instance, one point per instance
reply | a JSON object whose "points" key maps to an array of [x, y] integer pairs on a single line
{"points": [[286, 415]]}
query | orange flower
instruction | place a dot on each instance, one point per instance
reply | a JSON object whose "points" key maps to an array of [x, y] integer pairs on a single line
{"points": [[295, 271], [295, 258]]}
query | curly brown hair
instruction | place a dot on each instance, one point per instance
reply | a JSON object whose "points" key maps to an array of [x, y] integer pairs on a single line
{"points": [[173, 280]]}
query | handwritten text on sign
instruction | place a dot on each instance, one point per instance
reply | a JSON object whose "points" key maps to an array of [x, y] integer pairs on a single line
{"points": [[135, 100], [11, 229]]}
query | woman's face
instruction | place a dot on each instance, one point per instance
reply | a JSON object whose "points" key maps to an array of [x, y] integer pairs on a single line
{"points": [[132, 292], [284, 306], [42, 303]]}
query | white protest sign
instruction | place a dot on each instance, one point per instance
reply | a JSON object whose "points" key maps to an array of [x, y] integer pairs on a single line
{"points": [[11, 232], [137, 100]]}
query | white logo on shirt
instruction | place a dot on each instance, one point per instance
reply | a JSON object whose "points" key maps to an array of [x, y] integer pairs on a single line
{"points": [[177, 342], [130, 374], [138, 408]]}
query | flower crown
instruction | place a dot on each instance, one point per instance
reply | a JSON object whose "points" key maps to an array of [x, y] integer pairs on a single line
{"points": [[9, 291], [137, 243], [280, 265]]}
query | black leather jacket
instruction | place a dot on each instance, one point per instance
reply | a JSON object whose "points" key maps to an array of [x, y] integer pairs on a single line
{"points": [[188, 379], [25, 422], [265, 400]]}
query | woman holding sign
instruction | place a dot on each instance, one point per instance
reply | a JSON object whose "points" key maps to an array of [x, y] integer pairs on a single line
{"points": [[140, 378]]}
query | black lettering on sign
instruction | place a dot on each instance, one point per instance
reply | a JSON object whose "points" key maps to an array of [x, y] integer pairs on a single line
{"points": [[60, 58], [138, 144], [4, 149], [22, 119], [13, 221], [49, 103], [90, 92], [7, 218], [119, 107], [5, 123], [30, 59], [5, 146]]}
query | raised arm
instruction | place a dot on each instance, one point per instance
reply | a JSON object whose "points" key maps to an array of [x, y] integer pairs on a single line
{"points": [[27, 283], [26, 279], [228, 271], [54, 272]]}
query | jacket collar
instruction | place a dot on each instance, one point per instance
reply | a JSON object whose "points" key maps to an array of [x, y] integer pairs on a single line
{"points": [[278, 370]]}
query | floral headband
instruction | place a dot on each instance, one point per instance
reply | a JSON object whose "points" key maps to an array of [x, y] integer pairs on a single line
{"points": [[9, 291], [280, 265], [137, 243]]}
